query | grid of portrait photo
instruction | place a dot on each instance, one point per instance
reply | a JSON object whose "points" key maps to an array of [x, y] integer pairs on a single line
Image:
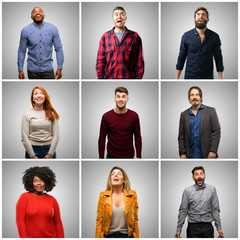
{"points": [[119, 119]]}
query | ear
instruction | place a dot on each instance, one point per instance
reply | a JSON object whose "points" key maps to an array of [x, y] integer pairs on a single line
{"points": [[127, 99], [32, 17]]}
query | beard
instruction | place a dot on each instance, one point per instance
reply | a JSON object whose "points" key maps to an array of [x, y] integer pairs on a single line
{"points": [[201, 179], [201, 25], [38, 21]]}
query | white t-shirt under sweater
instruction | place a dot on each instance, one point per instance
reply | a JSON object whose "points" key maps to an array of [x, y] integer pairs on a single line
{"points": [[37, 130]]}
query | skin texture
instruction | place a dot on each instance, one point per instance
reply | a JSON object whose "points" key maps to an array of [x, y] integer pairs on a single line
{"points": [[121, 99], [117, 181], [38, 186], [200, 21], [38, 17], [119, 18], [199, 177]]}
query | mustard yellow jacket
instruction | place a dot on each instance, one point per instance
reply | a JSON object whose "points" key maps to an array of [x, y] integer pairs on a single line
{"points": [[104, 213]]}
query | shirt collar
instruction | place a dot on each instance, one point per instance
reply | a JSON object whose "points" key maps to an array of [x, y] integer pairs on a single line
{"points": [[190, 109], [200, 188], [126, 31], [35, 25], [196, 32]]}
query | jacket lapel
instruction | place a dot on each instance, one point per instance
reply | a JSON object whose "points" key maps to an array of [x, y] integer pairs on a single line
{"points": [[203, 115]]}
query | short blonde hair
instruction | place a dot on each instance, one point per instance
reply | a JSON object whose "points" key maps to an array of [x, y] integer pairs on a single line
{"points": [[126, 184]]}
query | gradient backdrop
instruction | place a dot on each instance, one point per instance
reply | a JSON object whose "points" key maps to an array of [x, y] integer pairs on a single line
{"points": [[178, 18], [64, 15], [143, 176], [223, 96], [97, 19], [66, 193], [177, 175], [16, 100], [98, 98]]}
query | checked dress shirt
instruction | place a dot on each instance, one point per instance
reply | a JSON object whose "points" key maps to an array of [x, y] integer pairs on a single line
{"points": [[120, 60]]}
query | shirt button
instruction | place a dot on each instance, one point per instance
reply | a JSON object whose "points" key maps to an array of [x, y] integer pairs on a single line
{"points": [[40, 59]]}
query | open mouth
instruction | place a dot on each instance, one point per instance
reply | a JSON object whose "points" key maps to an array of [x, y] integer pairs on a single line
{"points": [[119, 21], [116, 180]]}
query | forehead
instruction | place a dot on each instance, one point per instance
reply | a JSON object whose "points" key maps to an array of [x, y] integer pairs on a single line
{"points": [[36, 178], [194, 91], [37, 90], [121, 93], [201, 11], [199, 171], [116, 171], [119, 11], [37, 9]]}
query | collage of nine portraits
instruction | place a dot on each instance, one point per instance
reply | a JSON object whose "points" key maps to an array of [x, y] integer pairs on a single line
{"points": [[120, 119]]}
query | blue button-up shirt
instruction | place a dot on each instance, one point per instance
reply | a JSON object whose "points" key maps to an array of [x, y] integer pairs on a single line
{"points": [[39, 42], [200, 54], [195, 136]]}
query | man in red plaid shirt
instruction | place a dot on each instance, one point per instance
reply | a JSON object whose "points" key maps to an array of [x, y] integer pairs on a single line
{"points": [[120, 52]]}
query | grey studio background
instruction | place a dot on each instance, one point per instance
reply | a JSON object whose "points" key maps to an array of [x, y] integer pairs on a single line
{"points": [[66, 193], [64, 15], [98, 98], [143, 176], [176, 176], [64, 97], [223, 96], [142, 17], [177, 18]]}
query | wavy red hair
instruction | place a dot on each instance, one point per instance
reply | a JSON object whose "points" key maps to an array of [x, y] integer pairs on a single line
{"points": [[50, 112]]}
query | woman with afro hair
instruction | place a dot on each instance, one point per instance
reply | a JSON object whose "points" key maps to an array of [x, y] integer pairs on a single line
{"points": [[37, 213], [40, 134]]}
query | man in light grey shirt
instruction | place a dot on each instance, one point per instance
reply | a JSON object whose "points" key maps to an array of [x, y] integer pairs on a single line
{"points": [[200, 204]]}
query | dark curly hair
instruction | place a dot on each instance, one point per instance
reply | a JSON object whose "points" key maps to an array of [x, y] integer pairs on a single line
{"points": [[44, 173]]}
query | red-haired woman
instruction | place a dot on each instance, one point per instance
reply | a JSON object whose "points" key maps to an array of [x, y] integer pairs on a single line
{"points": [[40, 134]]}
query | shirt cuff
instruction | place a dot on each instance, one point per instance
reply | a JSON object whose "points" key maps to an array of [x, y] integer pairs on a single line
{"points": [[20, 69], [179, 229], [60, 66]]}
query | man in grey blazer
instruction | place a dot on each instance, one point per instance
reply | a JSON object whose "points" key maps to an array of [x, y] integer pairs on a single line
{"points": [[199, 129]]}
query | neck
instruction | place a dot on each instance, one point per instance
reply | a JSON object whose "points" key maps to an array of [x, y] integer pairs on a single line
{"points": [[39, 25], [120, 111], [117, 190], [195, 107], [38, 194], [38, 107], [201, 31], [119, 30]]}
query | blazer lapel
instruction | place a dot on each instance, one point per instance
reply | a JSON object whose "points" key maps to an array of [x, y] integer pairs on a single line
{"points": [[187, 124], [203, 115]]}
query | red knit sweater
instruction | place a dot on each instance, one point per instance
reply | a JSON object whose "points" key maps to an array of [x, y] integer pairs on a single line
{"points": [[38, 217], [120, 129]]}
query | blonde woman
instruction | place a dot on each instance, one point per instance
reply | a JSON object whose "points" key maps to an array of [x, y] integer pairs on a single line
{"points": [[117, 213]]}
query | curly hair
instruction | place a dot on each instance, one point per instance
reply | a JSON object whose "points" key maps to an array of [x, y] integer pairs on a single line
{"points": [[44, 173]]}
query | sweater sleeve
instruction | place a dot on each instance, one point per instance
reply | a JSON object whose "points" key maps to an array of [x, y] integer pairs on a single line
{"points": [[55, 137], [57, 219], [25, 133], [102, 137], [20, 216], [138, 138]]}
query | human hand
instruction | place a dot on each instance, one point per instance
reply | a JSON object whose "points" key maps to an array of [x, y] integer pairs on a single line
{"points": [[34, 157], [58, 74], [48, 156], [177, 235], [221, 235], [212, 155], [21, 75], [183, 156]]}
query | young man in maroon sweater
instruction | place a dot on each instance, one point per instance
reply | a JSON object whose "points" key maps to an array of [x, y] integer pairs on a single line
{"points": [[120, 124]]}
